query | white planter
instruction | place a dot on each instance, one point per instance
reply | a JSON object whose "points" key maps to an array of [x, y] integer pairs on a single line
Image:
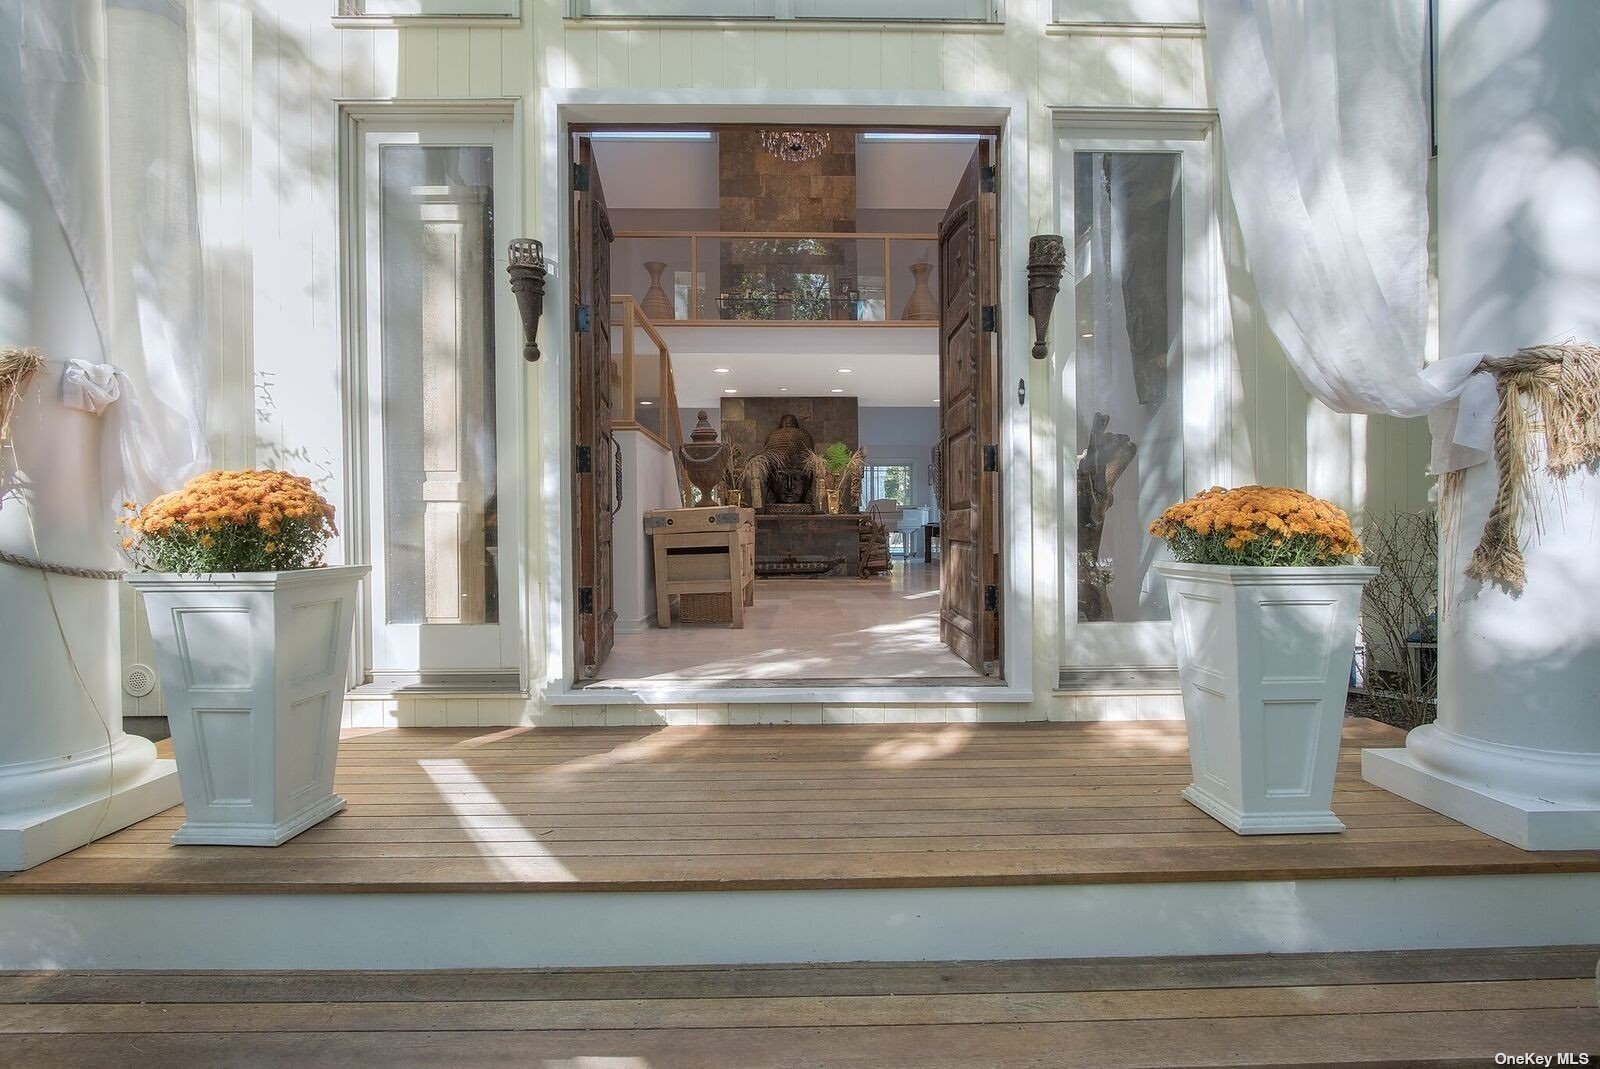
{"points": [[253, 672], [1264, 656]]}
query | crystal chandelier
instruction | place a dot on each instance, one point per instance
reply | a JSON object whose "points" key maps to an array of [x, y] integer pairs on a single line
{"points": [[794, 146]]}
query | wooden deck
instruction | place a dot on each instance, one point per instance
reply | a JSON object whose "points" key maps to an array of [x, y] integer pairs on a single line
{"points": [[760, 808], [1393, 1008]]}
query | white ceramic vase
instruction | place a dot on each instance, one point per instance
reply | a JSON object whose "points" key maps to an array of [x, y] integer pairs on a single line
{"points": [[253, 670], [1264, 657]]}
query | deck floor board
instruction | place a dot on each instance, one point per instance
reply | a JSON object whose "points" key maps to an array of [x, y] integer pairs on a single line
{"points": [[1449, 1007], [757, 808]]}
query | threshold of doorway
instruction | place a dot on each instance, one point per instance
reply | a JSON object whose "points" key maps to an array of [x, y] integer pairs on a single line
{"points": [[890, 691]]}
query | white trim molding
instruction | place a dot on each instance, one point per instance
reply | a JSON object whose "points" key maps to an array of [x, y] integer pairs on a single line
{"points": [[520, 930], [1190, 134]]}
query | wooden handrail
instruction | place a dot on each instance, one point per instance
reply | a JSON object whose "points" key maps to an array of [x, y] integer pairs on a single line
{"points": [[634, 319]]}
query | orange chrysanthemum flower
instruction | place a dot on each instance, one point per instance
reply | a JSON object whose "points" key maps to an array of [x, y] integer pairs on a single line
{"points": [[1258, 525], [256, 520]]}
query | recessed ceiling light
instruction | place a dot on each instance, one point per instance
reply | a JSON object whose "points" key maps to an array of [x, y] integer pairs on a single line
{"points": [[1085, 335], [647, 402], [783, 389], [935, 400], [730, 389], [847, 371], [720, 370], [838, 389]]}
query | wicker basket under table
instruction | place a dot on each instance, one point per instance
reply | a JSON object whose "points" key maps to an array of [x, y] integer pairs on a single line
{"points": [[707, 557]]}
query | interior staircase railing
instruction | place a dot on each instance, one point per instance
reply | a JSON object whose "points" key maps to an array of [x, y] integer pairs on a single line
{"points": [[646, 405]]}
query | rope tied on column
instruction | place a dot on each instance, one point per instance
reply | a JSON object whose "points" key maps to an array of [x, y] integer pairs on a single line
{"points": [[17, 560], [1553, 390], [17, 368]]}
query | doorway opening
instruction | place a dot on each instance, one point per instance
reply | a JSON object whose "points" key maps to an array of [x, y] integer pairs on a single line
{"points": [[793, 331]]}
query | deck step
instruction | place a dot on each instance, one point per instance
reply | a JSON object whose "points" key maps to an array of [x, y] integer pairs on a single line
{"points": [[1457, 1007]]}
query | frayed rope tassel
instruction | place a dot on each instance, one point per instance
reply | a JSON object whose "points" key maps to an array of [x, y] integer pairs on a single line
{"points": [[1550, 388]]}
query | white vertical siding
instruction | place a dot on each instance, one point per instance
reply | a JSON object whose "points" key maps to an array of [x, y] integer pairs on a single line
{"points": [[269, 75]]}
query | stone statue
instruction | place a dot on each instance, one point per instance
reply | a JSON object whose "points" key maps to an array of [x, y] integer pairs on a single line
{"points": [[1100, 465], [787, 473]]}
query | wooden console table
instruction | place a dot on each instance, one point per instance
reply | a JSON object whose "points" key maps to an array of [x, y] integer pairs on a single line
{"points": [[705, 554]]}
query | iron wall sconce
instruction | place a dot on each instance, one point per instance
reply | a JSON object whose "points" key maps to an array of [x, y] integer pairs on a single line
{"points": [[527, 269], [1047, 258]]}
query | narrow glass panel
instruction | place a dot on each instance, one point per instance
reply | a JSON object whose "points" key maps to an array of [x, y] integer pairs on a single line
{"points": [[1128, 236], [437, 230]]}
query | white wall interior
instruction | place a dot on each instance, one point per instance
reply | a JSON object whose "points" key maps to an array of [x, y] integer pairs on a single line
{"points": [[889, 366]]}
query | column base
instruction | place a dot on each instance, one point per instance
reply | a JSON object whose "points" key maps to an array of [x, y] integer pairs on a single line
{"points": [[1529, 823], [29, 839]]}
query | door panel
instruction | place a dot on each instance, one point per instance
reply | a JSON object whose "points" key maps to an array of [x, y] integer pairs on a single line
{"points": [[431, 330], [596, 479], [969, 621]]}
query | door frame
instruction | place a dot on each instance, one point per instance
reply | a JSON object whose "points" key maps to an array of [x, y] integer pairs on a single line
{"points": [[1006, 112], [1139, 655], [511, 436]]}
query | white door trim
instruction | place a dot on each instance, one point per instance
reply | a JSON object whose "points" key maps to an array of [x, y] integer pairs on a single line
{"points": [[500, 120], [1134, 649], [1008, 112]]}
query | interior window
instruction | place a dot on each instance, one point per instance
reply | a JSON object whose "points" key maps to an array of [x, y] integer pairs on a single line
{"points": [[887, 481]]}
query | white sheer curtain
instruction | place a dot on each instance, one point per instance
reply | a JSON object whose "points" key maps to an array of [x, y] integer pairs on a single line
{"points": [[106, 102], [1325, 134]]}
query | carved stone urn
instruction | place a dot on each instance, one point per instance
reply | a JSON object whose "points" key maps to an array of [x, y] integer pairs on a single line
{"points": [[704, 458], [656, 304], [921, 304]]}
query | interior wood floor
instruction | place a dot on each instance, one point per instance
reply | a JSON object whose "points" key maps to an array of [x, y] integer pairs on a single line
{"points": [[1393, 1008], [758, 808], [804, 629]]}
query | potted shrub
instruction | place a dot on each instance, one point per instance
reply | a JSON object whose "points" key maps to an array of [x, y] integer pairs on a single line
{"points": [[1265, 599], [252, 639]]}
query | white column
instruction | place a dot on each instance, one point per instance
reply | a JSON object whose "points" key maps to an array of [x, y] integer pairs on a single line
{"points": [[68, 773], [1516, 749]]}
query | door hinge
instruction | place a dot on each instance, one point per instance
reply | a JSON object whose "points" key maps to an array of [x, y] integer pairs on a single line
{"points": [[580, 178], [585, 460], [986, 179], [991, 599], [583, 318], [991, 458], [586, 601], [989, 318]]}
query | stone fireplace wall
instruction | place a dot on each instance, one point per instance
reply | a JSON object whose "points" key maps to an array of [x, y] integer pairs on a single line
{"points": [[746, 421], [762, 194]]}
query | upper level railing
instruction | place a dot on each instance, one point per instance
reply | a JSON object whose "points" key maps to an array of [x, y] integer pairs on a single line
{"points": [[791, 278]]}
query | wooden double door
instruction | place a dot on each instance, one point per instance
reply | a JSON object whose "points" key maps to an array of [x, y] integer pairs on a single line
{"points": [[969, 405]]}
